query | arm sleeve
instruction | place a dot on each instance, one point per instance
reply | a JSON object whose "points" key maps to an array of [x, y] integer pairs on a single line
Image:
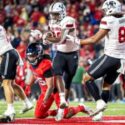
{"points": [[104, 24], [68, 25], [44, 66]]}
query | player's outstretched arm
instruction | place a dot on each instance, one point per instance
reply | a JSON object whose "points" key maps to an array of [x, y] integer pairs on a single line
{"points": [[49, 82], [94, 39]]}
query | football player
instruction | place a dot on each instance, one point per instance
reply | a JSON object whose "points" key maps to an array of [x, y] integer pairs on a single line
{"points": [[41, 65], [112, 27], [63, 30], [9, 61]]}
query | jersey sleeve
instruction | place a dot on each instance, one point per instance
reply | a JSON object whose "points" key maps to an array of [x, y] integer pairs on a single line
{"points": [[105, 23], [44, 66], [68, 23]]}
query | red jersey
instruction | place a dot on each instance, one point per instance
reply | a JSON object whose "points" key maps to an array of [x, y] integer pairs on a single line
{"points": [[40, 71]]}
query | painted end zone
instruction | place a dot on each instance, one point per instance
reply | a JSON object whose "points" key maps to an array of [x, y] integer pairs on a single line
{"points": [[108, 120]]}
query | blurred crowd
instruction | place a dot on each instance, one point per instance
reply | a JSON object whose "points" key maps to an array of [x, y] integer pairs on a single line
{"points": [[20, 16]]}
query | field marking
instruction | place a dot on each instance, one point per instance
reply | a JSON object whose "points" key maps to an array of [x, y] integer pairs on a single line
{"points": [[114, 121], [79, 119]]}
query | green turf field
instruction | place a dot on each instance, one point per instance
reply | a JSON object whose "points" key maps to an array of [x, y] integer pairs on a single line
{"points": [[114, 109]]}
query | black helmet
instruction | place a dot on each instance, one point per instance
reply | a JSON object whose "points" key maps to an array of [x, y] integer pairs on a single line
{"points": [[34, 53]]}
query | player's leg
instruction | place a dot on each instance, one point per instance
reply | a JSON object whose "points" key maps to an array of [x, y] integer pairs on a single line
{"points": [[41, 110], [9, 95], [8, 73], [71, 111], [108, 81], [20, 92], [98, 69], [68, 80], [58, 65], [57, 102], [101, 68], [70, 70], [59, 112]]}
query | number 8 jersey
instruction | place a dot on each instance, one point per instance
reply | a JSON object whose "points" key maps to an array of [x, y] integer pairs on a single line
{"points": [[115, 40]]}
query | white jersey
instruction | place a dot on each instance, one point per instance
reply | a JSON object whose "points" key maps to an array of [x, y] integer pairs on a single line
{"points": [[5, 44], [115, 40], [68, 23]]}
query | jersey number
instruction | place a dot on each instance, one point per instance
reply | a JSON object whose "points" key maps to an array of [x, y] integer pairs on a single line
{"points": [[122, 34]]}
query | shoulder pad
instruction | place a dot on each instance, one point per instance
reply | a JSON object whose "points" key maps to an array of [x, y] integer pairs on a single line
{"points": [[68, 22], [107, 22]]}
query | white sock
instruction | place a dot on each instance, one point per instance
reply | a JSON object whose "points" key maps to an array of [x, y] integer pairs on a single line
{"points": [[26, 102], [10, 107], [62, 97]]}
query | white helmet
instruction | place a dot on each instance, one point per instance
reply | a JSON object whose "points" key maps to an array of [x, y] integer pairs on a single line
{"points": [[112, 7], [59, 8]]}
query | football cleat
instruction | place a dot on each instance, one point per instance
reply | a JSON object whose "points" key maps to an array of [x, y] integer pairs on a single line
{"points": [[26, 108], [7, 118], [98, 117], [60, 115], [100, 107]]}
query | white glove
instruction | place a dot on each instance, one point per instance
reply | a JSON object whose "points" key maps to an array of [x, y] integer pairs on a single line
{"points": [[73, 39], [45, 35]]}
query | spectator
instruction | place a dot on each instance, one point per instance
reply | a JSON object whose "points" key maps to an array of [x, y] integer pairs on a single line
{"points": [[77, 81]]}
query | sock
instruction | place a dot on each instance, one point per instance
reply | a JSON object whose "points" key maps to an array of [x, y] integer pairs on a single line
{"points": [[105, 95], [62, 97], [26, 102], [10, 107], [72, 111], [93, 89], [76, 109], [81, 108]]}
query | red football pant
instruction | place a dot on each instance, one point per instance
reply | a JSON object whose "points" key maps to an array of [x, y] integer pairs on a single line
{"points": [[41, 110]]}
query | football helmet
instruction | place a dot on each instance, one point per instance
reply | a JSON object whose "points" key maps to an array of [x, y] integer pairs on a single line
{"points": [[112, 7], [34, 53], [57, 11]]}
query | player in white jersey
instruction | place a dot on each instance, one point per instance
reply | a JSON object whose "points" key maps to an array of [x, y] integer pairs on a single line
{"points": [[63, 34], [112, 27], [9, 61]]}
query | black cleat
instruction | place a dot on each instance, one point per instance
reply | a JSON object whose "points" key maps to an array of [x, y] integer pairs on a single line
{"points": [[7, 119]]}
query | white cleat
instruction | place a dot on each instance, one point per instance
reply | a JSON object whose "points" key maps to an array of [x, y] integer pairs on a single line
{"points": [[60, 115], [100, 106], [98, 117], [9, 116], [26, 108]]}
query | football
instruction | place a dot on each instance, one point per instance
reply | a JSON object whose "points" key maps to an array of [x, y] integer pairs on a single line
{"points": [[50, 33]]}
